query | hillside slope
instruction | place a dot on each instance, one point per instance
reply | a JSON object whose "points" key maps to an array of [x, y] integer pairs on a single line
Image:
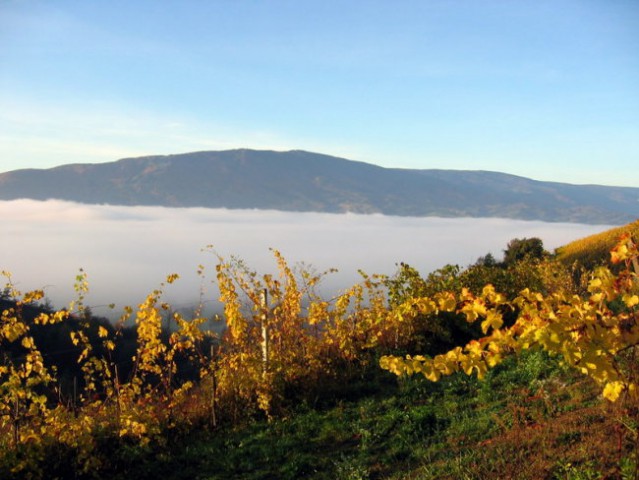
{"points": [[595, 249]]}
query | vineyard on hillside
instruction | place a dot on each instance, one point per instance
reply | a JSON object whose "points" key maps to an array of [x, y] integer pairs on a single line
{"points": [[593, 250], [75, 389]]}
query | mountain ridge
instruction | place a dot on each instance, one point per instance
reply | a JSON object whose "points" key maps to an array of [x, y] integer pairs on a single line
{"points": [[298, 180]]}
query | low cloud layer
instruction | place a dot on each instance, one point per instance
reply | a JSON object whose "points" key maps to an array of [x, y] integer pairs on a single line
{"points": [[128, 251]]}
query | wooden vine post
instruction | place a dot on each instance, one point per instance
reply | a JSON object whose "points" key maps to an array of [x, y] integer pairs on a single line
{"points": [[265, 333]]}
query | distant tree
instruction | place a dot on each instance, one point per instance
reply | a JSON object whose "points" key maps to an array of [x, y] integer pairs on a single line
{"points": [[5, 293], [519, 249], [486, 261], [47, 305]]}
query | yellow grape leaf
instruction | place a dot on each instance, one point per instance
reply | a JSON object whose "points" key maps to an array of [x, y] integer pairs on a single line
{"points": [[474, 310], [27, 342], [13, 332], [594, 284], [488, 290], [493, 320], [479, 307], [619, 253], [493, 359], [84, 355], [59, 316], [33, 296], [392, 364], [41, 319], [631, 300], [444, 365], [475, 348], [612, 390], [102, 332], [447, 304]]}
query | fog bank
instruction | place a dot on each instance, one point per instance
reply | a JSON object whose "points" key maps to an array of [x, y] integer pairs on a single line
{"points": [[128, 251]]}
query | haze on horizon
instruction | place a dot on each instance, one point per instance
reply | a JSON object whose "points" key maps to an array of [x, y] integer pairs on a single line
{"points": [[548, 90], [128, 251]]}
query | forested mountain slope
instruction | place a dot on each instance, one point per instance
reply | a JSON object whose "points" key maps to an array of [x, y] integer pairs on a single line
{"points": [[304, 181]]}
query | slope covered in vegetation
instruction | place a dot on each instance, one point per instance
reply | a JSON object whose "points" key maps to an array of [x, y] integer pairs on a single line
{"points": [[311, 182], [595, 249], [520, 365]]}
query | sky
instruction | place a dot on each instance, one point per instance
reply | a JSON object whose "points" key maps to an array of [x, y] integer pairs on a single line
{"points": [[128, 251], [546, 89]]}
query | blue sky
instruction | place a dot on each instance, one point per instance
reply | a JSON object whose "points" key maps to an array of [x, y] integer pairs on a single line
{"points": [[543, 89]]}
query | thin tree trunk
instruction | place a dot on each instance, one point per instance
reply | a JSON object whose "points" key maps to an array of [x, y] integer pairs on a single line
{"points": [[265, 334]]}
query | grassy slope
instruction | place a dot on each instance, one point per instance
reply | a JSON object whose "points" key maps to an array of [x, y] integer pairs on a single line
{"points": [[528, 419]]}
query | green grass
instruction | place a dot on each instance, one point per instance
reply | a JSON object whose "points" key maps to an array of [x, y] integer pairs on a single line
{"points": [[529, 418]]}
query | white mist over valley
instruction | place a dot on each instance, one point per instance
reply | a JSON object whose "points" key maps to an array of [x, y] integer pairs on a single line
{"points": [[128, 251]]}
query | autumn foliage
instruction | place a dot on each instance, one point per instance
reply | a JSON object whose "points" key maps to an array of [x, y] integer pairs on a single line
{"points": [[283, 342], [598, 334]]}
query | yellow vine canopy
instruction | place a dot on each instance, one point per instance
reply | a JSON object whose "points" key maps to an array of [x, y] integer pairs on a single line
{"points": [[597, 334]]}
